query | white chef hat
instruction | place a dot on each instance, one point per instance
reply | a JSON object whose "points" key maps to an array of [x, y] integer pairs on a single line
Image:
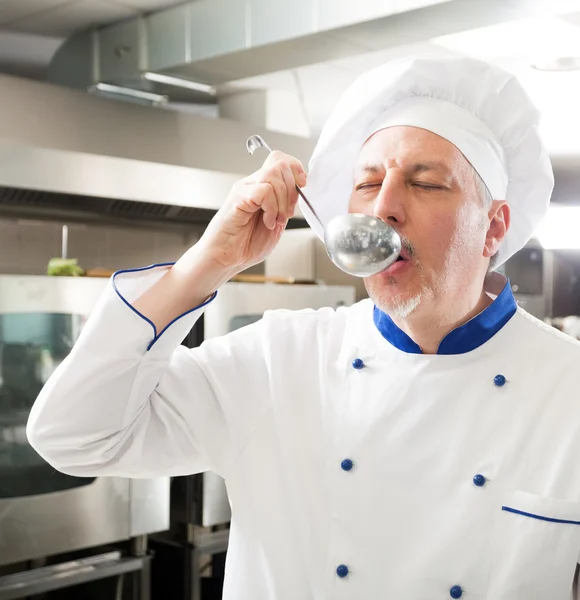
{"points": [[481, 109]]}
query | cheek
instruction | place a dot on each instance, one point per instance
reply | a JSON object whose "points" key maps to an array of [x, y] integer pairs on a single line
{"points": [[471, 226], [357, 205], [467, 238], [450, 237], [436, 235]]}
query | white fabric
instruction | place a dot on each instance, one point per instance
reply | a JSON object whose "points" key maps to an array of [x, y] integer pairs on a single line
{"points": [[502, 114], [275, 407], [457, 125]]}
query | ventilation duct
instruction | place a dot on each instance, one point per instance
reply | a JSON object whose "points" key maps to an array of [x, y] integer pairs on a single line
{"points": [[213, 42]]}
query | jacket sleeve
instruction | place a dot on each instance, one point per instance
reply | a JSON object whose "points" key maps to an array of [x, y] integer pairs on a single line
{"points": [[129, 401]]}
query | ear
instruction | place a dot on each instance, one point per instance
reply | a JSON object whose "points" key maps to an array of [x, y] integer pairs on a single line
{"points": [[499, 223]]}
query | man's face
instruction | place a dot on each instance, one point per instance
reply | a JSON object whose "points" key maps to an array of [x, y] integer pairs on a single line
{"points": [[426, 189]]}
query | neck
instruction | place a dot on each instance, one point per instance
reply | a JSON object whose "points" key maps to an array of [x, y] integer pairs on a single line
{"points": [[429, 324]]}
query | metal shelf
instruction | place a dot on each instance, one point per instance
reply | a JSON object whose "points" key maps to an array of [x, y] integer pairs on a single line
{"points": [[46, 579]]}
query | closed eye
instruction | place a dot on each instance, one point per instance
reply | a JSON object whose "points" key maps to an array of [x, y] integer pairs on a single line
{"points": [[364, 186], [424, 186]]}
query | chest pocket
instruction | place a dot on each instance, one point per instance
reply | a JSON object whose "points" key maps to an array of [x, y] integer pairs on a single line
{"points": [[536, 546]]}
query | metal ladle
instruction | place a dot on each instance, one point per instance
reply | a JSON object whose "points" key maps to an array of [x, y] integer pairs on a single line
{"points": [[358, 244]]}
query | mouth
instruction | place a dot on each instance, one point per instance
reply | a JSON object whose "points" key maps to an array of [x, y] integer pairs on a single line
{"points": [[400, 264], [403, 256]]}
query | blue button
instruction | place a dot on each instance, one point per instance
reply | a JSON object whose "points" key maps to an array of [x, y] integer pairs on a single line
{"points": [[346, 464], [342, 571], [499, 380], [357, 363], [479, 480], [456, 592]]}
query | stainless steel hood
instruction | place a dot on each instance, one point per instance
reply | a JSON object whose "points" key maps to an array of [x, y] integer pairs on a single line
{"points": [[218, 41], [63, 151]]}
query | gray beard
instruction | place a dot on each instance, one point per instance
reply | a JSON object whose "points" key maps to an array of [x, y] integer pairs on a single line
{"points": [[402, 309]]}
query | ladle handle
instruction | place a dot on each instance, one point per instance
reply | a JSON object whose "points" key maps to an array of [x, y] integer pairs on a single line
{"points": [[256, 141]]}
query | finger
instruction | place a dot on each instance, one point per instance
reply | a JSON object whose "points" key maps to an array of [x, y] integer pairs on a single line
{"points": [[296, 166], [251, 196], [275, 177], [270, 208], [290, 171], [291, 191], [260, 196], [299, 173]]}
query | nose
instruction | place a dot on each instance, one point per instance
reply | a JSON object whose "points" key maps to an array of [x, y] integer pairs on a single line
{"points": [[390, 201]]}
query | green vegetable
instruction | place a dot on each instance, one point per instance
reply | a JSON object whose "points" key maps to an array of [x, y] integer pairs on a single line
{"points": [[67, 267]]}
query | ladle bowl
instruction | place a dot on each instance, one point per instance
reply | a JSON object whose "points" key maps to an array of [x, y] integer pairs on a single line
{"points": [[361, 245]]}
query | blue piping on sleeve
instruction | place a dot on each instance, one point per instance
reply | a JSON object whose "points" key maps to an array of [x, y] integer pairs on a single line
{"points": [[539, 517], [156, 335]]}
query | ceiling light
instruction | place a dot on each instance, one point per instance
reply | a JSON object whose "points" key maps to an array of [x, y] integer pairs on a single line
{"points": [[116, 90], [562, 63], [520, 40], [180, 82], [560, 229]]}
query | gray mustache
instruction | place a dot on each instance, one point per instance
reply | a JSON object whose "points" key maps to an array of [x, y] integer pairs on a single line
{"points": [[408, 247]]}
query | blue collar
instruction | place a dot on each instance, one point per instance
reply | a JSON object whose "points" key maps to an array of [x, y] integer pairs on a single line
{"points": [[465, 338]]}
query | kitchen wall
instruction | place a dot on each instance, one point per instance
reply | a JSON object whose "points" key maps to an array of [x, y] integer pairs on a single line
{"points": [[26, 246], [302, 255]]}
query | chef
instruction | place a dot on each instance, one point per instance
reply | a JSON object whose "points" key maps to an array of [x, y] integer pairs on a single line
{"points": [[422, 444]]}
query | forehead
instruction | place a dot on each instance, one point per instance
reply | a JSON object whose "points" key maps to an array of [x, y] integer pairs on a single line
{"points": [[408, 144]]}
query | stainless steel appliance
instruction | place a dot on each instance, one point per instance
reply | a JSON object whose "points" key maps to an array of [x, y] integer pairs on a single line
{"points": [[531, 274], [88, 158], [44, 512]]}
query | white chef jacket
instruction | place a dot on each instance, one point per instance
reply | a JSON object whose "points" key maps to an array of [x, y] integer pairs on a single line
{"points": [[356, 467]]}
